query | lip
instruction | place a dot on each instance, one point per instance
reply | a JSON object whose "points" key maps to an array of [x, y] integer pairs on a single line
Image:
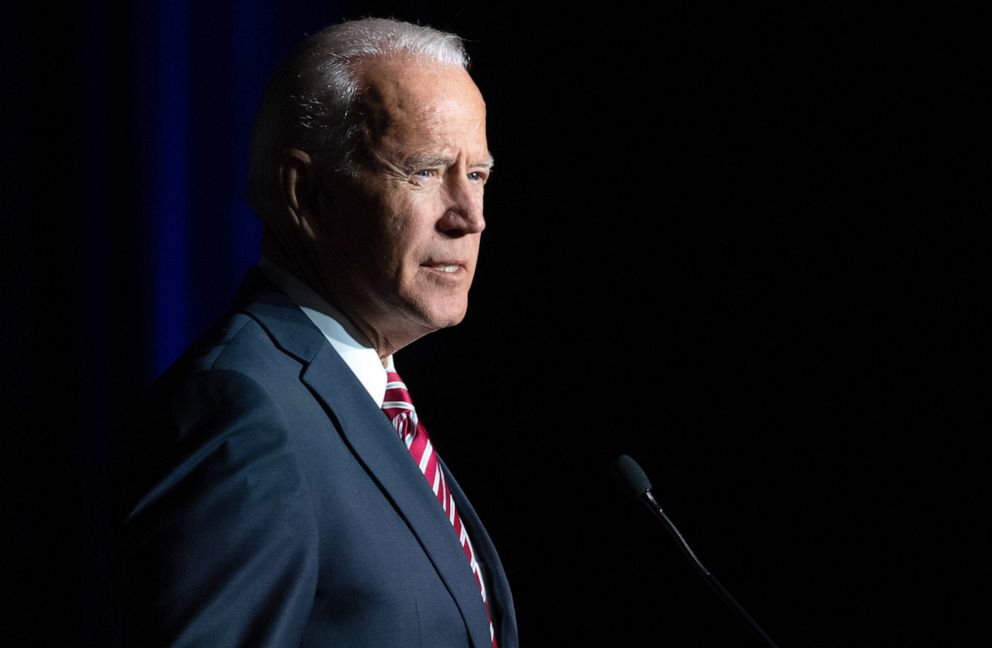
{"points": [[434, 263], [433, 266]]}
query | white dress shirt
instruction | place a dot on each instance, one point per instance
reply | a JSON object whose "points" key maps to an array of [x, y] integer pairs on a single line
{"points": [[363, 360]]}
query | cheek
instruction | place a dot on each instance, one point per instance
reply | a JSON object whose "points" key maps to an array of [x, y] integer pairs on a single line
{"points": [[409, 233]]}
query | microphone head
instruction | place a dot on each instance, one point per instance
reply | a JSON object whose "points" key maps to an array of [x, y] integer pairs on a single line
{"points": [[630, 476]]}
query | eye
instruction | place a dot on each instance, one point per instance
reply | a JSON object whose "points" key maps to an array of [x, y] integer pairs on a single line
{"points": [[425, 173], [478, 176]]}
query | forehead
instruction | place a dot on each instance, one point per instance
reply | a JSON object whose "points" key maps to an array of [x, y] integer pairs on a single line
{"points": [[407, 97]]}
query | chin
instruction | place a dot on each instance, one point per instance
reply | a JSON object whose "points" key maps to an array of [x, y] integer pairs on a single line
{"points": [[448, 321], [445, 317]]}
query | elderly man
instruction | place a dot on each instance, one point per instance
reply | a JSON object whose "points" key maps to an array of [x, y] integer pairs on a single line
{"points": [[284, 492]]}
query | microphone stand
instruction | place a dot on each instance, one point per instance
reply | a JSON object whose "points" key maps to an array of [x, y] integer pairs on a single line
{"points": [[649, 501]]}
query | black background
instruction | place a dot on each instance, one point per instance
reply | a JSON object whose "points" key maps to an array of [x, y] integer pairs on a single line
{"points": [[738, 243]]}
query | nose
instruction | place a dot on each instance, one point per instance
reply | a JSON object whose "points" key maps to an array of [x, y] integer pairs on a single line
{"points": [[463, 213]]}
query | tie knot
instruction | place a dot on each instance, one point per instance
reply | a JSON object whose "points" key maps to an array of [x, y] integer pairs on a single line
{"points": [[397, 396], [399, 409]]}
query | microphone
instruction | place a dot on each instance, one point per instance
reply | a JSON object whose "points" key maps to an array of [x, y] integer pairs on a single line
{"points": [[635, 483]]}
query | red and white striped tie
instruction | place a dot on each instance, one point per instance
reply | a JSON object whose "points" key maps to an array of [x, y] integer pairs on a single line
{"points": [[399, 408]]}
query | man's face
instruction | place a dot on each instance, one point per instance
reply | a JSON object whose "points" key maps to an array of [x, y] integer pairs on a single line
{"points": [[399, 242]]}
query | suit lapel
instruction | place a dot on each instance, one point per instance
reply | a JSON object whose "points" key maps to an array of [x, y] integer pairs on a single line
{"points": [[500, 598], [373, 441]]}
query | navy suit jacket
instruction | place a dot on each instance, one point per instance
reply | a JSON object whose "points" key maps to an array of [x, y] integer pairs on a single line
{"points": [[270, 503]]}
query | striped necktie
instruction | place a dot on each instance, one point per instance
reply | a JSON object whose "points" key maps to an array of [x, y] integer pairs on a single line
{"points": [[398, 406]]}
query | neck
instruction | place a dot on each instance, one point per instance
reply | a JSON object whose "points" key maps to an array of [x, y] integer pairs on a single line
{"points": [[364, 332], [279, 253]]}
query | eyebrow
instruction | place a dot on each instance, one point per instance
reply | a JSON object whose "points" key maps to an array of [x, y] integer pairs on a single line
{"points": [[418, 161]]}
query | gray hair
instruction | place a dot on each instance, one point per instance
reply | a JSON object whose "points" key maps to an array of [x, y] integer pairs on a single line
{"points": [[310, 102]]}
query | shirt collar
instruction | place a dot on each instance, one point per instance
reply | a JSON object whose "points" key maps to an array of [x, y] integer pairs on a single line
{"points": [[363, 360]]}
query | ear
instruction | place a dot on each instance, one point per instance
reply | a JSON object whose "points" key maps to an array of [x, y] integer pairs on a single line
{"points": [[300, 190]]}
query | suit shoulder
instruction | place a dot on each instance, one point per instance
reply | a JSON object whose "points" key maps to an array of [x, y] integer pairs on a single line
{"points": [[238, 344], [232, 373]]}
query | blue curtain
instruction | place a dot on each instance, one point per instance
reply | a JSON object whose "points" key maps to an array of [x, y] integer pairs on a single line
{"points": [[202, 71]]}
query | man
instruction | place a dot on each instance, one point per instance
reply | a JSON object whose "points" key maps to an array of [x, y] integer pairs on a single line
{"points": [[284, 493]]}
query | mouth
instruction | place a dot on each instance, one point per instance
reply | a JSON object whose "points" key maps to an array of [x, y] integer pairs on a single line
{"points": [[446, 266]]}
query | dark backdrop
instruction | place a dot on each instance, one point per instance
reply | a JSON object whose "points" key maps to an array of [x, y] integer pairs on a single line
{"points": [[738, 243]]}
